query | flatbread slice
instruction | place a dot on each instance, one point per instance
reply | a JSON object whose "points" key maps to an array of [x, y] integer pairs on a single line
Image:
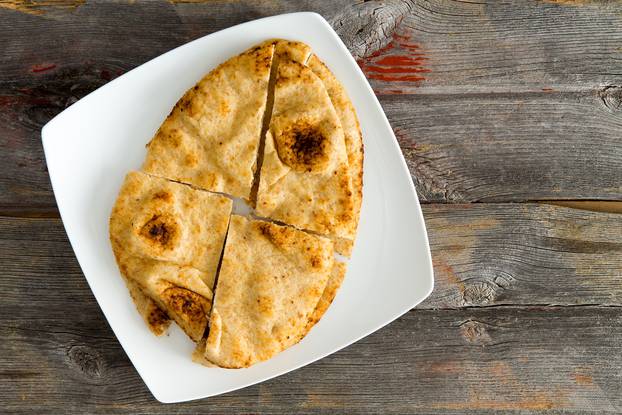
{"points": [[167, 221], [167, 239], [353, 138], [270, 282], [305, 178], [178, 291], [211, 137]]}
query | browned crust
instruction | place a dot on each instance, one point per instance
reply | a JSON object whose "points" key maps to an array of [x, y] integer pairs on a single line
{"points": [[353, 138]]}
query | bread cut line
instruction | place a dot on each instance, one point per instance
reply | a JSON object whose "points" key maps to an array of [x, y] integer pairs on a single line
{"points": [[272, 126]]}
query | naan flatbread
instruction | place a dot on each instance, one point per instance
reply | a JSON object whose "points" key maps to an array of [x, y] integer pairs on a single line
{"points": [[167, 221], [353, 139], [167, 239], [211, 137], [271, 279], [305, 178]]}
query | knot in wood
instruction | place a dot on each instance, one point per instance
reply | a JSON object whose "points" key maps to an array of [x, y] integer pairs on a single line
{"points": [[480, 292], [368, 27], [474, 331], [87, 360], [612, 97]]}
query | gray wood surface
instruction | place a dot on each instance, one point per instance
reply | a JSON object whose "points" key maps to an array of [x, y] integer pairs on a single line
{"points": [[455, 361], [547, 77], [492, 102], [459, 148], [510, 147], [503, 266], [483, 255], [503, 46], [523, 254]]}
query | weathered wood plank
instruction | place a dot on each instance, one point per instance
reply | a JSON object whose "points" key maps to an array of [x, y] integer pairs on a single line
{"points": [[403, 46], [469, 147], [448, 46], [520, 254], [463, 361], [484, 254], [110, 38], [459, 148], [510, 147]]}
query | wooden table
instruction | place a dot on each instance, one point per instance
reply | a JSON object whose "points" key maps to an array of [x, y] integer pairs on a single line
{"points": [[510, 118]]}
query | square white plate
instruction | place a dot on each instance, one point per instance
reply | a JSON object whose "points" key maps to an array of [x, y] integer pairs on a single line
{"points": [[90, 147]]}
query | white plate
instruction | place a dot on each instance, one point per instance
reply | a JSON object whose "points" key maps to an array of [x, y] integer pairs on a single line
{"points": [[90, 147]]}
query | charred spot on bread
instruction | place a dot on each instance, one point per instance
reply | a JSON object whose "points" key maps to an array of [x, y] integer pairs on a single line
{"points": [[157, 317], [161, 230], [304, 147], [189, 308]]}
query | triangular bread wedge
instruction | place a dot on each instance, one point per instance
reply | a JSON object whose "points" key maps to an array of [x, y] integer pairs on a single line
{"points": [[178, 291], [271, 279], [167, 221], [211, 137], [305, 179], [353, 138], [167, 239]]}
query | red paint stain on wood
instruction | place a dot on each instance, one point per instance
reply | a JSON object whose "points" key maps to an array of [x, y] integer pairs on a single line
{"points": [[43, 67], [547, 89], [399, 61]]}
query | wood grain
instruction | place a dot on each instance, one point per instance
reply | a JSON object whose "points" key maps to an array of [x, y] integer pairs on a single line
{"points": [[593, 205], [448, 46], [462, 143], [483, 254], [404, 46], [462, 361], [509, 147], [459, 148], [40, 7], [521, 254]]}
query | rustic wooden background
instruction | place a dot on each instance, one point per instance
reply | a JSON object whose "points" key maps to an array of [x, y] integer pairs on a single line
{"points": [[509, 114]]}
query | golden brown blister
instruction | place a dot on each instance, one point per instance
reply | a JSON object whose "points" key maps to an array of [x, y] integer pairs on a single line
{"points": [[179, 291]]}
